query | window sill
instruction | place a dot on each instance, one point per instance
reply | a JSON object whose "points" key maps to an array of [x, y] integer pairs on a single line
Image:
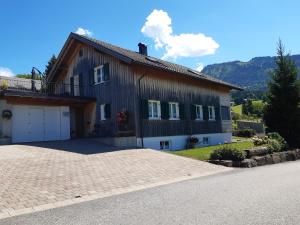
{"points": [[199, 120], [174, 119], [101, 82], [154, 118], [212, 120]]}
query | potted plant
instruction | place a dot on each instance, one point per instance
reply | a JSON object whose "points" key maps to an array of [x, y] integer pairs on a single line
{"points": [[122, 120], [192, 141], [6, 114]]}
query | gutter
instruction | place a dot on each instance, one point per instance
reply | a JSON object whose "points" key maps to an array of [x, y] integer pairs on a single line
{"points": [[140, 111]]}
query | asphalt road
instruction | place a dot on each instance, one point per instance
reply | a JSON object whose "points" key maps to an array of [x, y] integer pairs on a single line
{"points": [[263, 195]]}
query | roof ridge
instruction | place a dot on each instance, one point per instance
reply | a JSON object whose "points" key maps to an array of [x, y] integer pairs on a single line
{"points": [[139, 58]]}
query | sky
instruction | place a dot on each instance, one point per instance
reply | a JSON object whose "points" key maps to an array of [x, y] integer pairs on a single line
{"points": [[193, 33]]}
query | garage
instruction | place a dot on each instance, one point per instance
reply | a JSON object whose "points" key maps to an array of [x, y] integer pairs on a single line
{"points": [[32, 123]]}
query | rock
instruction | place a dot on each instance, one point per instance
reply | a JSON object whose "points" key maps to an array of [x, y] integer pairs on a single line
{"points": [[258, 151], [276, 157], [248, 163], [291, 156], [297, 151], [227, 163], [283, 156], [217, 162], [269, 159], [261, 160]]}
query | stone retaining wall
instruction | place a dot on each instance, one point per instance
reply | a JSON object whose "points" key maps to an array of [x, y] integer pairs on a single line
{"points": [[267, 159]]}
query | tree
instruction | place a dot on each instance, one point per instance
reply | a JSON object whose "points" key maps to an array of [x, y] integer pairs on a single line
{"points": [[247, 107], [50, 64], [283, 97]]}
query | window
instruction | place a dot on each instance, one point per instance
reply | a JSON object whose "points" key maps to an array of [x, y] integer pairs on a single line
{"points": [[174, 110], [101, 73], [104, 111], [199, 112], [225, 112], [164, 145], [211, 113], [205, 141], [154, 109]]}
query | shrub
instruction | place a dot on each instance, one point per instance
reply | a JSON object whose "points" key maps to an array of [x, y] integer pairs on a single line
{"points": [[274, 146], [227, 153], [279, 138], [257, 141], [4, 85], [244, 133]]}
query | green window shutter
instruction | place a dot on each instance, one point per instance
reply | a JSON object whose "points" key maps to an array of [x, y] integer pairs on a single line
{"points": [[193, 112], [144, 110], [106, 71], [181, 111], [107, 111], [217, 113], [205, 112], [165, 114]]}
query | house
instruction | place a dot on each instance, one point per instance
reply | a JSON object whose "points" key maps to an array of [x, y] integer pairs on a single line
{"points": [[120, 97]]}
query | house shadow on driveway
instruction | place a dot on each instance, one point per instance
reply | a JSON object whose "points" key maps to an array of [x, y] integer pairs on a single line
{"points": [[84, 146]]}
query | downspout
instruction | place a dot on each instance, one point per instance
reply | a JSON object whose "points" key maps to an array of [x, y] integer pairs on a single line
{"points": [[140, 111]]}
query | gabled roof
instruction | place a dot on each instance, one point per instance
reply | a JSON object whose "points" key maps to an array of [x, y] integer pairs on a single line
{"points": [[133, 57]]}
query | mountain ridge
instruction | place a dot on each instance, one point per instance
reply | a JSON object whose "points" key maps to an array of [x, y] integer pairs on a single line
{"points": [[253, 74]]}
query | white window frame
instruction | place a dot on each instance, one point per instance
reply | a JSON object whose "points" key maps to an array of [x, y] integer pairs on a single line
{"points": [[102, 112], [163, 146], [101, 67], [151, 113], [205, 143], [211, 116], [171, 111], [201, 112]]}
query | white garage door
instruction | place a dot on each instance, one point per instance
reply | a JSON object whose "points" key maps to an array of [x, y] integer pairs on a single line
{"points": [[40, 123]]}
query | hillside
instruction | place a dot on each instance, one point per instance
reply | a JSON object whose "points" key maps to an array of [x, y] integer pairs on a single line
{"points": [[253, 74]]}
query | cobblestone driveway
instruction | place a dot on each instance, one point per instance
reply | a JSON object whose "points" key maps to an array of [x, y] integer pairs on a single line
{"points": [[48, 175]]}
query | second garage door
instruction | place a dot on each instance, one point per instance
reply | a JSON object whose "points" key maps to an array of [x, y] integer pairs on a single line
{"points": [[40, 123]]}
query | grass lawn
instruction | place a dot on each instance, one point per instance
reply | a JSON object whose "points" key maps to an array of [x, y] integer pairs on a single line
{"points": [[204, 153], [237, 109]]}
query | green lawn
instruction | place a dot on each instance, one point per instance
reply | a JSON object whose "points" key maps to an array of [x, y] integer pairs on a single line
{"points": [[237, 109], [204, 153]]}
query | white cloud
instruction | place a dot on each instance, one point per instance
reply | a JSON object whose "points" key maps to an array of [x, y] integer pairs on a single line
{"points": [[200, 67], [6, 72], [158, 26], [83, 31]]}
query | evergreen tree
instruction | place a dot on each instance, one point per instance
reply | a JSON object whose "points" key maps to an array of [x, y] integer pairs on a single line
{"points": [[50, 64], [283, 97]]}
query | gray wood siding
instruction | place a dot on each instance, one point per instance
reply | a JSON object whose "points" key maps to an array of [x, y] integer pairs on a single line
{"points": [[117, 92], [121, 92], [173, 90]]}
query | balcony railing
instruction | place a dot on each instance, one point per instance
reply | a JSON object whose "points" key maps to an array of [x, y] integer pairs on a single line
{"points": [[38, 87]]}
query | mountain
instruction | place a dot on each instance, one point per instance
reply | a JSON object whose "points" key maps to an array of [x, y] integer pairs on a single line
{"points": [[252, 75]]}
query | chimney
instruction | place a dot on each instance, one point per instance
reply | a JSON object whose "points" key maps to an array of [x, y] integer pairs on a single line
{"points": [[143, 49]]}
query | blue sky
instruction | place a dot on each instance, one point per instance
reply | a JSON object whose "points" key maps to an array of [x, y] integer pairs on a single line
{"points": [[186, 32]]}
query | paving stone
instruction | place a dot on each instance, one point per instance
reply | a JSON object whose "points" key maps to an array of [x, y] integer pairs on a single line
{"points": [[47, 175]]}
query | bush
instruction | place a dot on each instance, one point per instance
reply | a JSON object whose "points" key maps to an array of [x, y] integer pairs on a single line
{"points": [[244, 133], [279, 138], [227, 153], [274, 146], [257, 141]]}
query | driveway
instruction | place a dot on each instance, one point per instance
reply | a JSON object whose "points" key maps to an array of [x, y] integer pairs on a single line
{"points": [[40, 176]]}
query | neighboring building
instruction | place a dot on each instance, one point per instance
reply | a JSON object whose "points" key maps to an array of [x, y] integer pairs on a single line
{"points": [[122, 97]]}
